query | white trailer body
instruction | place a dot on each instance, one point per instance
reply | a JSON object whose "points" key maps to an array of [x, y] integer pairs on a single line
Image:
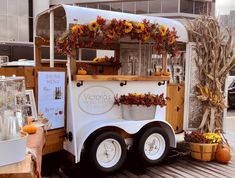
{"points": [[90, 104]]}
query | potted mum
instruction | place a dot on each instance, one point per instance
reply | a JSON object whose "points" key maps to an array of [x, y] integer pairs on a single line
{"points": [[203, 145], [140, 106]]}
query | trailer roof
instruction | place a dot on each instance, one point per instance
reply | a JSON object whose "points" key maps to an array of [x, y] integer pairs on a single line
{"points": [[64, 15]]}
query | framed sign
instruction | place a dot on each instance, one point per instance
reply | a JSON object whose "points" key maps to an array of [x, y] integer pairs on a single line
{"points": [[51, 97], [30, 104]]}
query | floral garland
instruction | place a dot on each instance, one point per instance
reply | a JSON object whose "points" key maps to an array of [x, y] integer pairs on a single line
{"points": [[108, 31]]}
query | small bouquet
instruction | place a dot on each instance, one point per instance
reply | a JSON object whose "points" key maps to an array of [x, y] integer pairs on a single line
{"points": [[141, 99]]}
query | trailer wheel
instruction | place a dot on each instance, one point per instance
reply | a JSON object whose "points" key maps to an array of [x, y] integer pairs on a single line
{"points": [[107, 152], [152, 146]]}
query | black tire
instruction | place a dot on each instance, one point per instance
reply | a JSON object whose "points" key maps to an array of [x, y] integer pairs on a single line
{"points": [[140, 150], [94, 145]]}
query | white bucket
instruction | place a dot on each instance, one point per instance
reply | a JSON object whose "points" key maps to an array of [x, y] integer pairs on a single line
{"points": [[134, 112], [14, 150]]}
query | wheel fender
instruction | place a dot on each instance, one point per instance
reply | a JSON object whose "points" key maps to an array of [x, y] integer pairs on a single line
{"points": [[170, 132], [131, 127]]}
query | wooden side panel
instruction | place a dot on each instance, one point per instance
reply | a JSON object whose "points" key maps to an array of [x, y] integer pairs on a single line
{"points": [[54, 141], [175, 107]]}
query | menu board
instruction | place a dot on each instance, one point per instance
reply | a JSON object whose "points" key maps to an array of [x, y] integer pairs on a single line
{"points": [[51, 97]]}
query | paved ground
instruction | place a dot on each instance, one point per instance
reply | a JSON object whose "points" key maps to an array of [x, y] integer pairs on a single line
{"points": [[176, 166]]}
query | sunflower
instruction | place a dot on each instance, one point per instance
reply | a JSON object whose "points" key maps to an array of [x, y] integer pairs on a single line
{"points": [[111, 34], [171, 40], [163, 30], [77, 29], [139, 27], [93, 26], [146, 37], [97, 59], [128, 27]]}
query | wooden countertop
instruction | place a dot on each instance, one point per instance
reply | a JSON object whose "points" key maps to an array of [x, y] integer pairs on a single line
{"points": [[30, 167], [119, 78], [23, 169]]}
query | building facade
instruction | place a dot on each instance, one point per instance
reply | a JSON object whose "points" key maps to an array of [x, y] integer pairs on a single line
{"points": [[16, 20], [17, 16]]}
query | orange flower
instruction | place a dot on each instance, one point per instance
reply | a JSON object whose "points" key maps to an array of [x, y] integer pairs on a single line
{"points": [[93, 26], [77, 29], [171, 40], [146, 37], [111, 34], [139, 27], [163, 30], [128, 27]]}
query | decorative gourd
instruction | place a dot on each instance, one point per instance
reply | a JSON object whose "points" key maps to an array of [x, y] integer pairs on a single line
{"points": [[158, 73], [82, 71], [166, 73], [30, 129], [222, 154]]}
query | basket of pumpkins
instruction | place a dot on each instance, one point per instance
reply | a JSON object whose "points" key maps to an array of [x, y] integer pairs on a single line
{"points": [[208, 146]]}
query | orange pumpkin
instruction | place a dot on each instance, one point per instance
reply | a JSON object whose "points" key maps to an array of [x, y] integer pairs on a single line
{"points": [[158, 73], [166, 73], [30, 129], [222, 154], [82, 71]]}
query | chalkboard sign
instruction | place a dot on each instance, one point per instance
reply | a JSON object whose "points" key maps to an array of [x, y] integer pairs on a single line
{"points": [[51, 97]]}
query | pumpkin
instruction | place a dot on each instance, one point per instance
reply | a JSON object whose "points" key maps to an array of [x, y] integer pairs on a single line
{"points": [[166, 73], [222, 154], [30, 128], [158, 73], [82, 71]]}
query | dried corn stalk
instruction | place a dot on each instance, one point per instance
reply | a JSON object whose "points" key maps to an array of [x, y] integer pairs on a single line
{"points": [[214, 50]]}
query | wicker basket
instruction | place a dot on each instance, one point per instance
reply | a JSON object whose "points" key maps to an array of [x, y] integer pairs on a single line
{"points": [[203, 152]]}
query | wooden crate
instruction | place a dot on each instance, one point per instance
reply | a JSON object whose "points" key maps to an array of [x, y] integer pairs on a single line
{"points": [[175, 106]]}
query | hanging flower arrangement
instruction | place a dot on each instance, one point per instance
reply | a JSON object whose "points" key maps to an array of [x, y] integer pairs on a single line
{"points": [[108, 31]]}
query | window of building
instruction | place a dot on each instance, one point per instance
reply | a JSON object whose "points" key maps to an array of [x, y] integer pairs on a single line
{"points": [[186, 6], [23, 8], [200, 7], [169, 6], [3, 7], [16, 19], [92, 5], [142, 7], [81, 5], [116, 6], [23, 29], [155, 6], [104, 6], [3, 28], [129, 7], [12, 7], [12, 28]]}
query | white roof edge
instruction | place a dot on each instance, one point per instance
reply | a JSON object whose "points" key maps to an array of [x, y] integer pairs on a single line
{"points": [[81, 15]]}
